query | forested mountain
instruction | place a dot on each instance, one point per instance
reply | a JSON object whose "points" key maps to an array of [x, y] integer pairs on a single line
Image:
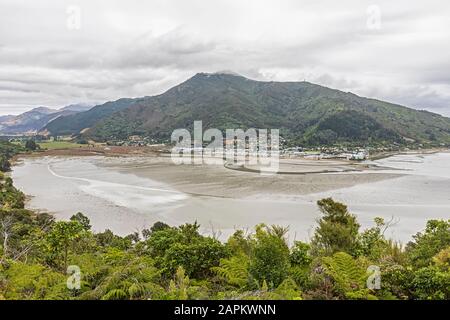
{"points": [[75, 123], [303, 111]]}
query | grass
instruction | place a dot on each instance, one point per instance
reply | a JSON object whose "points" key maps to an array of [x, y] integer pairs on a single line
{"points": [[52, 145]]}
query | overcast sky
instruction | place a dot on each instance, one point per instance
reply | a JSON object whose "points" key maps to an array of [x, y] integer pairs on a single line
{"points": [[55, 53]]}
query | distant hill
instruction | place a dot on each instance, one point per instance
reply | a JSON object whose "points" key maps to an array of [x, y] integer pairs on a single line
{"points": [[78, 107], [6, 118], [31, 121], [76, 123], [305, 112]]}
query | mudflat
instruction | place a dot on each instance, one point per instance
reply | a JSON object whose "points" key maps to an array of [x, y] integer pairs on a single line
{"points": [[126, 193], [296, 177]]}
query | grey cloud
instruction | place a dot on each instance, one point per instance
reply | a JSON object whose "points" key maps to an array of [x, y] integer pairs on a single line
{"points": [[143, 48], [176, 48]]}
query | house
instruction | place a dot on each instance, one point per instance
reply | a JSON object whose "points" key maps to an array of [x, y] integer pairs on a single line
{"points": [[134, 138], [361, 155]]}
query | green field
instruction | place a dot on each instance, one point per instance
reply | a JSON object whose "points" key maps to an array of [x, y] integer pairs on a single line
{"points": [[51, 145]]}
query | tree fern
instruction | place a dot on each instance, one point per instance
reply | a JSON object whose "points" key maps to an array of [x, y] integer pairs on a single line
{"points": [[178, 287], [234, 270], [137, 290], [348, 275], [115, 294]]}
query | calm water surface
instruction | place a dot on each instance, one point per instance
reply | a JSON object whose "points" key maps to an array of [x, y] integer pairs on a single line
{"points": [[125, 203]]}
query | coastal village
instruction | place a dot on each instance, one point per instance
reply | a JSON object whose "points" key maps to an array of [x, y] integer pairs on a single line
{"points": [[285, 152], [137, 141]]}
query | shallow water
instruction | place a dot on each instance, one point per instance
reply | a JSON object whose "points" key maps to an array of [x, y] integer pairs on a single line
{"points": [[126, 202], [422, 194], [122, 203]]}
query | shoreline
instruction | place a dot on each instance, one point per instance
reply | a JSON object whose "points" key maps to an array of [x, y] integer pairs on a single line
{"points": [[296, 177], [217, 196], [120, 151], [384, 155]]}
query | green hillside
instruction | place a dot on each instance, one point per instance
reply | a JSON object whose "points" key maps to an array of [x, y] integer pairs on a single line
{"points": [[73, 124], [305, 113]]}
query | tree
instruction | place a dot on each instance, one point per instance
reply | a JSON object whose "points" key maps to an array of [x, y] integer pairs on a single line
{"points": [[158, 226], [4, 164], [371, 242], [133, 237], [184, 246], [239, 244], [431, 283], [62, 236], [107, 239], [337, 230], [270, 256], [159, 242], [196, 258], [10, 197], [21, 234], [82, 219], [442, 259], [31, 145], [178, 287], [300, 254], [6, 224], [300, 263], [427, 244], [34, 281]]}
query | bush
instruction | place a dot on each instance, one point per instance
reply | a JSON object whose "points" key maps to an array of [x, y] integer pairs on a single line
{"points": [[270, 257], [31, 145]]}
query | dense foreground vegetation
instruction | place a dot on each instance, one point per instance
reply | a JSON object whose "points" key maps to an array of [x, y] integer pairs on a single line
{"points": [[40, 259]]}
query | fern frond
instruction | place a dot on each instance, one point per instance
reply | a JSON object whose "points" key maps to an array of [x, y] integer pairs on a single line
{"points": [[345, 271], [233, 270], [115, 294]]}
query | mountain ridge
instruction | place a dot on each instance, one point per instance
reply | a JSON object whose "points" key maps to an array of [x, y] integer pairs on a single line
{"points": [[30, 122], [304, 112], [75, 123]]}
